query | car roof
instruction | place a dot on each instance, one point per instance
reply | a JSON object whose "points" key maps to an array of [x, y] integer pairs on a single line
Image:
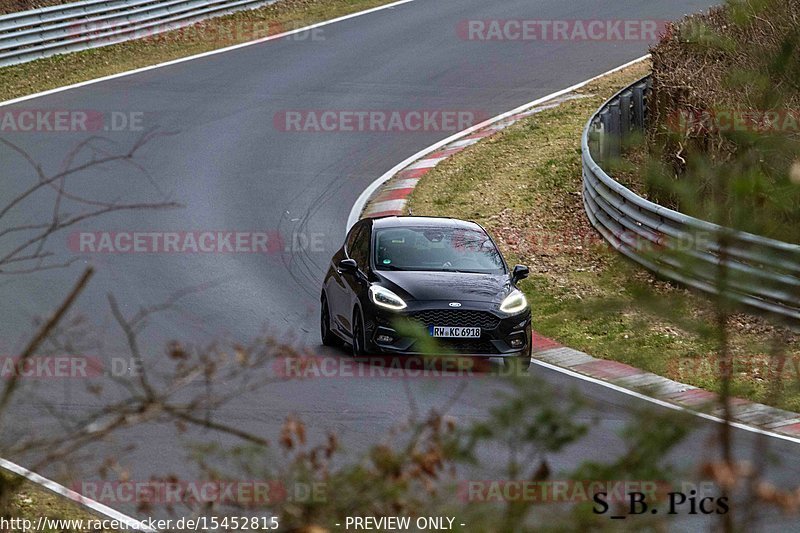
{"points": [[432, 222]]}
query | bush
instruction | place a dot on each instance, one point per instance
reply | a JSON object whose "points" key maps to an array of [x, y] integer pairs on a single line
{"points": [[726, 88]]}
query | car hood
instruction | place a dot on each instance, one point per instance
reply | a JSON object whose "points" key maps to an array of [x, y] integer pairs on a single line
{"points": [[450, 286]]}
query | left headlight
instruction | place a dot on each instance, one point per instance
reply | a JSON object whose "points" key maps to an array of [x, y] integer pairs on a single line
{"points": [[514, 303], [385, 298]]}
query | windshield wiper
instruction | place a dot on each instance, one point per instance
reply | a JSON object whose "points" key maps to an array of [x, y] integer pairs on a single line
{"points": [[391, 267], [458, 271]]}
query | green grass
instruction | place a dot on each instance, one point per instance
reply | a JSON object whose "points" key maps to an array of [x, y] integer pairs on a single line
{"points": [[57, 71], [524, 185]]}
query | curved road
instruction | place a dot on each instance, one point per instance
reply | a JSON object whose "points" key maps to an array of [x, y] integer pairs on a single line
{"points": [[232, 169]]}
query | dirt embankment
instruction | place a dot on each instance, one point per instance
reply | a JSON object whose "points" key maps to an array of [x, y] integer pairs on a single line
{"points": [[12, 6], [729, 60]]}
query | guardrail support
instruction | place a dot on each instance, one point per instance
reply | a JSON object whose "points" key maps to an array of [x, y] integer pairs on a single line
{"points": [[625, 115], [638, 107]]}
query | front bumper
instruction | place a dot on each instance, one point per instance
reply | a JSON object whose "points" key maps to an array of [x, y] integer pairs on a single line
{"points": [[406, 332]]}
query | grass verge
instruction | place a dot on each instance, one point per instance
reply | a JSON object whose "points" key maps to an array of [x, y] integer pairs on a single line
{"points": [[24, 500], [284, 15], [523, 185]]}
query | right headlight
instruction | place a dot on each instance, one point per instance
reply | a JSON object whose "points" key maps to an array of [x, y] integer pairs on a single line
{"points": [[514, 303], [383, 297]]}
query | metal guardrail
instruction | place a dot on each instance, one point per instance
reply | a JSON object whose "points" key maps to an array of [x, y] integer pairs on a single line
{"points": [[761, 273], [49, 31]]}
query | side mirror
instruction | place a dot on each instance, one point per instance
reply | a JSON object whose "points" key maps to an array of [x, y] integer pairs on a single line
{"points": [[520, 272], [348, 266]]}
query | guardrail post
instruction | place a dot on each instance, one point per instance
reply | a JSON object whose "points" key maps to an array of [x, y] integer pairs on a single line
{"points": [[625, 114], [614, 130], [595, 134], [638, 107], [605, 127]]}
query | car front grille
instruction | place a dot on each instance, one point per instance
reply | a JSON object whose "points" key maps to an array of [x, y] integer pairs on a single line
{"points": [[456, 317]]}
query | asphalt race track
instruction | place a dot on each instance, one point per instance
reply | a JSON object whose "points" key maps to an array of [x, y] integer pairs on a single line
{"points": [[223, 158]]}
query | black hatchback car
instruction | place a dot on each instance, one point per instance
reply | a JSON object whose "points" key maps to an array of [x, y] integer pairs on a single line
{"points": [[445, 275]]}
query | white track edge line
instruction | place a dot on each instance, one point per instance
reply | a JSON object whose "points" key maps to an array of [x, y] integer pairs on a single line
{"points": [[203, 54], [662, 403], [361, 202], [61, 490]]}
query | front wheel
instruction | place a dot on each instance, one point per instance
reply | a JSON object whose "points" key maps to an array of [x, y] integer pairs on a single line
{"points": [[520, 363], [329, 338], [358, 335]]}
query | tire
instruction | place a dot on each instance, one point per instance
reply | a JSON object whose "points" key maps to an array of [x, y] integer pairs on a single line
{"points": [[520, 363], [524, 362], [358, 335], [329, 338]]}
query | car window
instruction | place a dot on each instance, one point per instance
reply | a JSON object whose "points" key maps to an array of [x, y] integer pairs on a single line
{"points": [[349, 245], [360, 248], [437, 249]]}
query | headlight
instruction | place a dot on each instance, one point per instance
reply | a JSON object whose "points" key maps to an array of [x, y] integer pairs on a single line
{"points": [[514, 303], [383, 297]]}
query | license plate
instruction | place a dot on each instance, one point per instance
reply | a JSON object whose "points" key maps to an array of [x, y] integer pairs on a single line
{"points": [[454, 332]]}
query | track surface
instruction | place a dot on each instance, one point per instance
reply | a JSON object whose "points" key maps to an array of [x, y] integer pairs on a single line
{"points": [[232, 170]]}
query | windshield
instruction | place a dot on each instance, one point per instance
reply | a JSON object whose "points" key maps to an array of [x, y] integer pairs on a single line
{"points": [[437, 250]]}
